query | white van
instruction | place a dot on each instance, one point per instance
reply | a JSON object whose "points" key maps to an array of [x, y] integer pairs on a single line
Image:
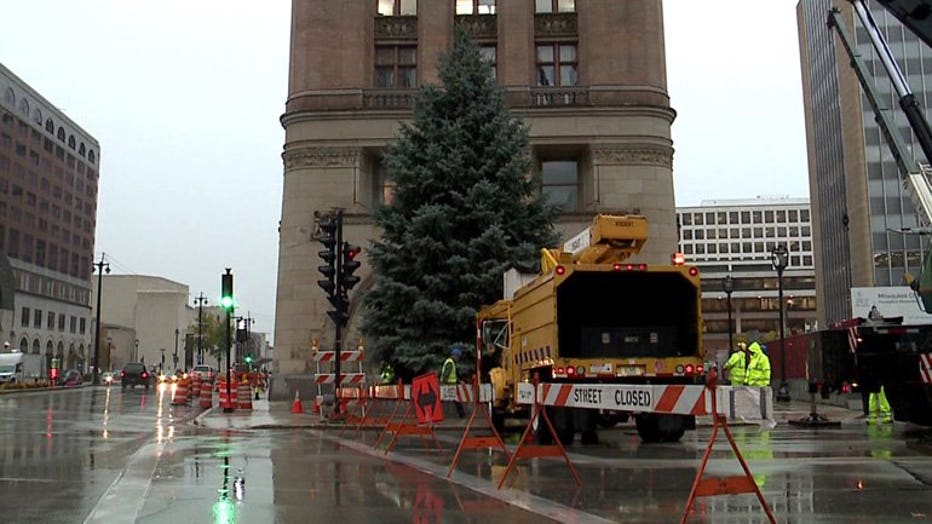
{"points": [[12, 367]]}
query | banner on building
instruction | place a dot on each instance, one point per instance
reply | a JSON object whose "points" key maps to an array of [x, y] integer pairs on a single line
{"points": [[899, 301]]}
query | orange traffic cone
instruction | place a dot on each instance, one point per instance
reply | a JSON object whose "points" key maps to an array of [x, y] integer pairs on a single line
{"points": [[296, 407]]}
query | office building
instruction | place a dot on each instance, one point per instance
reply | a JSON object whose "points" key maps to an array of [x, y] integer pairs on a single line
{"points": [[49, 172], [859, 204], [589, 78], [737, 238]]}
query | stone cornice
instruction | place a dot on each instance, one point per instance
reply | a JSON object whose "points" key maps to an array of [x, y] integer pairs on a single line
{"points": [[321, 157], [628, 154]]}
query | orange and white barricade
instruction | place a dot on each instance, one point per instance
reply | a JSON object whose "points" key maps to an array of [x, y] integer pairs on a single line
{"points": [[227, 402], [207, 395], [196, 383], [180, 395], [243, 396]]}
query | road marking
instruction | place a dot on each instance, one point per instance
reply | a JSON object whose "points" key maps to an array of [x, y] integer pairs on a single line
{"points": [[123, 500]]}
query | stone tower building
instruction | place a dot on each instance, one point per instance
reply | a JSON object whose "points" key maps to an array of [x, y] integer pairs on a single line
{"points": [[587, 76]]}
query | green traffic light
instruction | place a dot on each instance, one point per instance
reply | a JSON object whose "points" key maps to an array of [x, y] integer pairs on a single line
{"points": [[226, 302], [248, 359]]}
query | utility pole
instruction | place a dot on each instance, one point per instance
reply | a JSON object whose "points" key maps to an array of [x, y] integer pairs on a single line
{"points": [[199, 301], [100, 267]]}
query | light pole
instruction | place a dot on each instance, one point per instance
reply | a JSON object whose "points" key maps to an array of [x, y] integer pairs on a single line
{"points": [[780, 260], [110, 351], [175, 356], [199, 301], [728, 284], [100, 267], [136, 351]]}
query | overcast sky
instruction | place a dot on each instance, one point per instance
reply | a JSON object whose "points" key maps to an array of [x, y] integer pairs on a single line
{"points": [[184, 97]]}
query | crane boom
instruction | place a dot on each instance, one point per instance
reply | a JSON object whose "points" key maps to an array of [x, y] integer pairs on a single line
{"points": [[915, 175]]}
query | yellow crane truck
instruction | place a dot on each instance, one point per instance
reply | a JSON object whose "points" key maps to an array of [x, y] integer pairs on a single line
{"points": [[591, 316]]}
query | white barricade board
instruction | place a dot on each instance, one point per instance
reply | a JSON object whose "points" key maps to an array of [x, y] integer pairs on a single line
{"points": [[464, 393], [736, 403]]}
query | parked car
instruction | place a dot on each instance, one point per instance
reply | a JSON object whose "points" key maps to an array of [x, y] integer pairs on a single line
{"points": [[72, 377], [135, 373]]}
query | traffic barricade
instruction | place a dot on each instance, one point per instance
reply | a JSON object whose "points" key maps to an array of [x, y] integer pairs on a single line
{"points": [[477, 394], [351, 374], [196, 386], [180, 393], [226, 402], [667, 399], [243, 396], [207, 395], [422, 412]]}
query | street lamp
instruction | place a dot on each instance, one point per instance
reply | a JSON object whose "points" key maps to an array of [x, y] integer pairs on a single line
{"points": [[728, 284], [100, 267], [175, 356], [200, 301], [136, 351], [780, 260]]}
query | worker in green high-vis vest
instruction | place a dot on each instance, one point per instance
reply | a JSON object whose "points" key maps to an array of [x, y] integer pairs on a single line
{"points": [[448, 375]]}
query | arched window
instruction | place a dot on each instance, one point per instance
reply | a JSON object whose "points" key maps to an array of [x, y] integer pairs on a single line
{"points": [[49, 348], [91, 156], [81, 351], [71, 141], [50, 126], [61, 133], [81, 149], [24, 108], [24, 345], [36, 346], [61, 349], [37, 115], [9, 97]]}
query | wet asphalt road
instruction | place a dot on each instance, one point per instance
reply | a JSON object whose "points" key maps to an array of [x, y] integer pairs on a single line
{"points": [[99, 455]]}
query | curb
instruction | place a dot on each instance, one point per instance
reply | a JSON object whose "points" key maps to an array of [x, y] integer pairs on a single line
{"points": [[197, 420], [39, 390]]}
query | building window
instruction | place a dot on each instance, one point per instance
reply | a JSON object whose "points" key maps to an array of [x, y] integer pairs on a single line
{"points": [[475, 7], [37, 319], [61, 323], [397, 7], [488, 55], [384, 185], [561, 183], [24, 318], [83, 326], [556, 64], [50, 321], [395, 66], [73, 324], [554, 6]]}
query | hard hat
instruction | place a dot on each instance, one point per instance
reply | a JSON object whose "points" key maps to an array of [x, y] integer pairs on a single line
{"points": [[456, 352], [742, 345]]}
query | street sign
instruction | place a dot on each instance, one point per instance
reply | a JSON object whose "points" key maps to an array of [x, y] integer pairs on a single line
{"points": [[425, 395]]}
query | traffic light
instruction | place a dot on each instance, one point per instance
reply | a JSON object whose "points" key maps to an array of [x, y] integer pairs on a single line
{"points": [[226, 290], [328, 238], [349, 264], [339, 314], [248, 359]]}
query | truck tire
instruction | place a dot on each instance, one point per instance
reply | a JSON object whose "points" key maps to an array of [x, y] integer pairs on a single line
{"points": [[653, 428]]}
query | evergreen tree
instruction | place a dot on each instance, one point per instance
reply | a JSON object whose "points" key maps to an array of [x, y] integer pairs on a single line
{"points": [[464, 211]]}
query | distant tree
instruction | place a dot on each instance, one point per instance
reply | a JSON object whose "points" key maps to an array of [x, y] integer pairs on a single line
{"points": [[464, 210], [213, 332]]}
